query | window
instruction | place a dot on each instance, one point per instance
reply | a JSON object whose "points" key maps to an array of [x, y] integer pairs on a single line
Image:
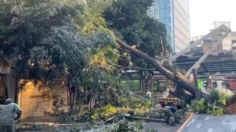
{"points": [[159, 86], [132, 85]]}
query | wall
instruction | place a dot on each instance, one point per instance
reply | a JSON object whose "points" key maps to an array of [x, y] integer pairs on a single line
{"points": [[35, 101], [228, 41]]}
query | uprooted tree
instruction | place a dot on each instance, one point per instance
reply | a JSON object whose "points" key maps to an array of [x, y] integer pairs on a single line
{"points": [[182, 84], [130, 21]]}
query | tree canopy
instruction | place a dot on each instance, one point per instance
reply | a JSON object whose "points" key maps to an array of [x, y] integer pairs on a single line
{"points": [[49, 40], [129, 19], [44, 41]]}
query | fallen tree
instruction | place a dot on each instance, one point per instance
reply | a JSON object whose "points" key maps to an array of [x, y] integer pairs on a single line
{"points": [[181, 82]]}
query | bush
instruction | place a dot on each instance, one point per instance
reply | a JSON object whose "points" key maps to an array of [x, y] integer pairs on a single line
{"points": [[214, 104], [104, 113], [220, 97], [124, 126], [199, 106], [134, 102], [216, 110]]}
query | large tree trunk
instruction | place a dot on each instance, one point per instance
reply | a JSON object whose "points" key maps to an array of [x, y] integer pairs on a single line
{"points": [[177, 77]]}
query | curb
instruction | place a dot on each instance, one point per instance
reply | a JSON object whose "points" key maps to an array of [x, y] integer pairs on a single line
{"points": [[190, 116]]}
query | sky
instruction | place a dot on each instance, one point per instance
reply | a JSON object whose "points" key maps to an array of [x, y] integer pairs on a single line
{"points": [[204, 12]]}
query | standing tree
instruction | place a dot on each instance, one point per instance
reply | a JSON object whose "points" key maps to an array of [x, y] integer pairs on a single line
{"points": [[44, 40], [41, 41]]}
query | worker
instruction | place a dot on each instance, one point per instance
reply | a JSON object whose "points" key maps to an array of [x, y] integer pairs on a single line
{"points": [[9, 113], [169, 115], [149, 94]]}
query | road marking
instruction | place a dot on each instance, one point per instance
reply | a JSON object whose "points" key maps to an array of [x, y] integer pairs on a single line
{"points": [[199, 125], [210, 130], [207, 118]]}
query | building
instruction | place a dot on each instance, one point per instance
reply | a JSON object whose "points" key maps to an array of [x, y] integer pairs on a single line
{"points": [[227, 42], [217, 24], [213, 56], [181, 24], [175, 15]]}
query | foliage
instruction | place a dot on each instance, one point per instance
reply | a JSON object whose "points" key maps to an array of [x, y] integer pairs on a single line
{"points": [[105, 112], [134, 102], [91, 19], [124, 126], [129, 19], [100, 78], [231, 109], [215, 110], [136, 105], [219, 97], [214, 104], [232, 99], [199, 105], [41, 40]]}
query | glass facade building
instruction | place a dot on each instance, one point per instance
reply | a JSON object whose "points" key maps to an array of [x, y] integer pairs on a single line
{"points": [[175, 15]]}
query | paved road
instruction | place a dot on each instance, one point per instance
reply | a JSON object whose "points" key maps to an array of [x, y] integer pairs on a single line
{"points": [[206, 123], [160, 127]]}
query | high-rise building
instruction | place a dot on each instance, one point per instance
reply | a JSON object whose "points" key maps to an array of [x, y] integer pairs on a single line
{"points": [[175, 15]]}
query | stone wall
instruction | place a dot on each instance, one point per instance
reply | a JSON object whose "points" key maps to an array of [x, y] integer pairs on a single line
{"points": [[36, 101]]}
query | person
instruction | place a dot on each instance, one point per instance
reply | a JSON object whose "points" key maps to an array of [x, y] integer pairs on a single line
{"points": [[158, 107], [149, 94], [169, 115], [9, 113]]}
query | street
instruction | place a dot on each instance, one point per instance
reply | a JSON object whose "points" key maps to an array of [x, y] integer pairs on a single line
{"points": [[206, 123]]}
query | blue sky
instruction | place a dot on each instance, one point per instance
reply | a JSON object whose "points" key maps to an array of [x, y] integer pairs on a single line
{"points": [[205, 12]]}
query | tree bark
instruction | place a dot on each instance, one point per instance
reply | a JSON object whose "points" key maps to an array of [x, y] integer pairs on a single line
{"points": [[178, 78]]}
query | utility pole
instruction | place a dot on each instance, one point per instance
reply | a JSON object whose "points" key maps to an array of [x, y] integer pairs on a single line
{"points": [[195, 77]]}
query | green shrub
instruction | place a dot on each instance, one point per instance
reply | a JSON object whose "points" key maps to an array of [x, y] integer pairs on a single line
{"points": [[214, 96], [219, 97], [134, 102], [214, 104], [215, 110], [104, 113], [199, 106]]}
